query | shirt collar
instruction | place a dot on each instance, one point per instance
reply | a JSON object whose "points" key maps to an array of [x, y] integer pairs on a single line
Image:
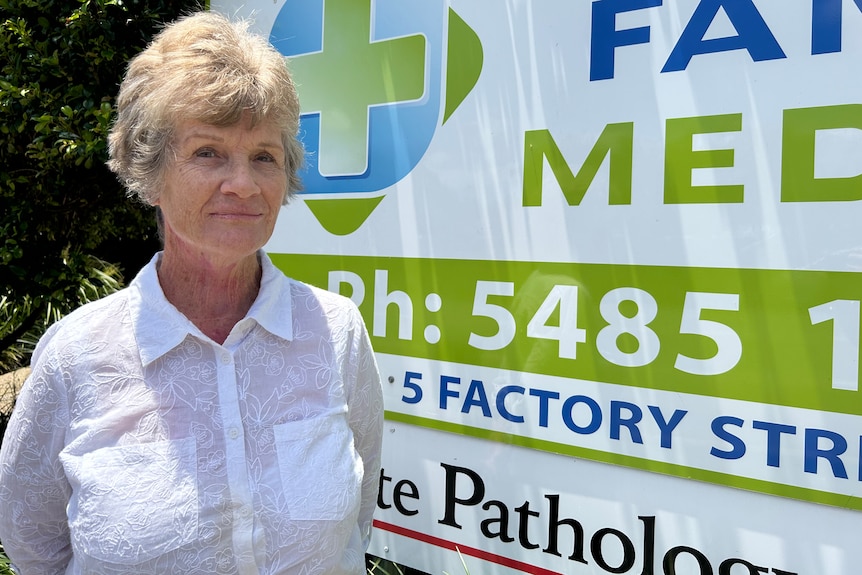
{"points": [[160, 327], [273, 307]]}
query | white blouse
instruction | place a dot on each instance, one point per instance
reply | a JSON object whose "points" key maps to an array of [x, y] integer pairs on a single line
{"points": [[139, 445]]}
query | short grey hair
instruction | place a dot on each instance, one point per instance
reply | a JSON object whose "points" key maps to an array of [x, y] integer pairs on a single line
{"points": [[206, 68]]}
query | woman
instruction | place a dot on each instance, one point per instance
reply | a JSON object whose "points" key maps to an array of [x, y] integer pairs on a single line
{"points": [[215, 416]]}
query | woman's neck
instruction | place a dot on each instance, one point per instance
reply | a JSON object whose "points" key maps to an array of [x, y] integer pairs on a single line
{"points": [[212, 296]]}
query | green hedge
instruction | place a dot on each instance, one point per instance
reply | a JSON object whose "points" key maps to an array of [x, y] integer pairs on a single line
{"points": [[68, 231]]}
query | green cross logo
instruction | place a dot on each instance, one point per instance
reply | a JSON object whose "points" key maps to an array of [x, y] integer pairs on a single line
{"points": [[349, 76], [376, 78]]}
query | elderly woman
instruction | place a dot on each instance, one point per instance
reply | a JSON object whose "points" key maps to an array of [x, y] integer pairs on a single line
{"points": [[215, 416]]}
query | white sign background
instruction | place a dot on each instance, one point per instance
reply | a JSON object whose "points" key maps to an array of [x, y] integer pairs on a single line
{"points": [[464, 201]]}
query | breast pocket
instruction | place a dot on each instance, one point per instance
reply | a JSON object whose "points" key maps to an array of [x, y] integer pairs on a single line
{"points": [[135, 503], [321, 472]]}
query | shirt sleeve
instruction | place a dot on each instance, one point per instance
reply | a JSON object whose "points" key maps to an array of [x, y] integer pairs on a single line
{"points": [[34, 491], [365, 412]]}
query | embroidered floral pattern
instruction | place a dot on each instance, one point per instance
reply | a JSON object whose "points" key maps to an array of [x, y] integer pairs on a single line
{"points": [[177, 455]]}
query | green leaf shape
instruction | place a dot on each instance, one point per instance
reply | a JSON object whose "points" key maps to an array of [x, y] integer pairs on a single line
{"points": [[464, 58], [342, 217]]}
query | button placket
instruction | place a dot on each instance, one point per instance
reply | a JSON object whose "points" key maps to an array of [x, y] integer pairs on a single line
{"points": [[240, 490]]}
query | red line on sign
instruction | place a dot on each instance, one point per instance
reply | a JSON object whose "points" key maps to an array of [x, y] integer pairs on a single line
{"points": [[464, 550]]}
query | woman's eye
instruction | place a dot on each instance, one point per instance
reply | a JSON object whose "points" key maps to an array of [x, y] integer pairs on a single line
{"points": [[265, 158], [205, 153]]}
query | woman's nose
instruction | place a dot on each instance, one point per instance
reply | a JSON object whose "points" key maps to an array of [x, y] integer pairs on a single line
{"points": [[239, 180]]}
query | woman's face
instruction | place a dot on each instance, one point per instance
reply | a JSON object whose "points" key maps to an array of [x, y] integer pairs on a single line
{"points": [[223, 189]]}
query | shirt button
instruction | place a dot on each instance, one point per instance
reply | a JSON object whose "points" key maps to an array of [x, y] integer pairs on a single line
{"points": [[225, 358], [233, 433], [245, 512]]}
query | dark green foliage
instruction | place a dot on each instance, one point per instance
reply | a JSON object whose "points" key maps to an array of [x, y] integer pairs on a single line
{"points": [[4, 563], [377, 566], [67, 231]]}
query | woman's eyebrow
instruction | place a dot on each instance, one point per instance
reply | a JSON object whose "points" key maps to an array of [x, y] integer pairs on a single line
{"points": [[203, 135]]}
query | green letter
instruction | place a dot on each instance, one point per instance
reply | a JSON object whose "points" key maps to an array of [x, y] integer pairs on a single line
{"points": [[680, 159], [616, 140], [798, 183]]}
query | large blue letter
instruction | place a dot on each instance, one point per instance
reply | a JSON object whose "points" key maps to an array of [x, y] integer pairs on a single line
{"points": [[737, 445], [606, 38], [826, 25], [813, 452], [752, 34]]}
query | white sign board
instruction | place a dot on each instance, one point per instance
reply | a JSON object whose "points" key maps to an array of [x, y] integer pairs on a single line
{"points": [[608, 253]]}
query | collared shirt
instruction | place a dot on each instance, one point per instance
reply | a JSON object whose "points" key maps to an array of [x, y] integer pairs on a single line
{"points": [[139, 445]]}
